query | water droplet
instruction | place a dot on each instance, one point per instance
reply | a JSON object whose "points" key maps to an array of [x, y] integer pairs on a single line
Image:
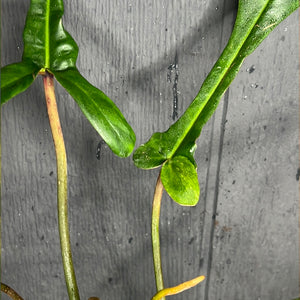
{"points": [[254, 85], [203, 38], [285, 29], [217, 7], [245, 97]]}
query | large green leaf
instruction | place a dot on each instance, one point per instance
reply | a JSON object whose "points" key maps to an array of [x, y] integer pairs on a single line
{"points": [[16, 78], [46, 42], [48, 47], [102, 113], [255, 19]]}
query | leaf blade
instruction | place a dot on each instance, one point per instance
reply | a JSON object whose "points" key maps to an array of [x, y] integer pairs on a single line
{"points": [[46, 42], [180, 180], [16, 78], [180, 138], [102, 113]]}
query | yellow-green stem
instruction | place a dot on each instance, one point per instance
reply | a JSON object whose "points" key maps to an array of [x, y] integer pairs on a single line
{"points": [[10, 292], [62, 191], [155, 235], [178, 289]]}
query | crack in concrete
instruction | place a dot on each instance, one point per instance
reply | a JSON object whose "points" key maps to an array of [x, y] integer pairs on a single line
{"points": [[171, 68]]}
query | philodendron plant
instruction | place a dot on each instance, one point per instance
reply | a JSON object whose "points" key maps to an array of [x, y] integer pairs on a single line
{"points": [[50, 51], [174, 149]]}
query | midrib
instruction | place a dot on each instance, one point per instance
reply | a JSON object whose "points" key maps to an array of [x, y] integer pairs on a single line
{"points": [[221, 76], [47, 36]]}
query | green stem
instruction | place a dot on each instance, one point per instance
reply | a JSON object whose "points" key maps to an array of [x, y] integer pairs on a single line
{"points": [[10, 292], [62, 191], [155, 235]]}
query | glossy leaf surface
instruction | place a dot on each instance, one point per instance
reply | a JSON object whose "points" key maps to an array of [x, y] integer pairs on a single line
{"points": [[255, 20], [102, 113], [16, 78], [49, 47], [46, 42], [180, 180]]}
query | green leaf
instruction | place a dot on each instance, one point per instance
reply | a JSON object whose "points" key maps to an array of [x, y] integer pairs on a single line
{"points": [[180, 180], [46, 43], [48, 47], [255, 20], [102, 113], [16, 78]]}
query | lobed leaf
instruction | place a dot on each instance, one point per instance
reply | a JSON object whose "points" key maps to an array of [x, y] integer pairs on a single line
{"points": [[49, 47], [255, 20], [102, 113]]}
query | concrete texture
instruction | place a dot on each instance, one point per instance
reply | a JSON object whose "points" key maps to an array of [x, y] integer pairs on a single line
{"points": [[243, 234]]}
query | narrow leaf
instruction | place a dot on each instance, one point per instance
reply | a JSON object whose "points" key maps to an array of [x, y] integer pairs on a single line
{"points": [[16, 78], [180, 180], [102, 113], [46, 42], [255, 20]]}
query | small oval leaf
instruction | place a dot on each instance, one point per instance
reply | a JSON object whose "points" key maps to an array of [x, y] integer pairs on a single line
{"points": [[180, 180]]}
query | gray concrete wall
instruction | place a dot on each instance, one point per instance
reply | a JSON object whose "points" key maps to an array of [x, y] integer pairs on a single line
{"points": [[243, 234]]}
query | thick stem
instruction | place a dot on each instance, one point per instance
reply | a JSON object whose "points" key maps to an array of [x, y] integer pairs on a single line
{"points": [[62, 192], [155, 235], [10, 292]]}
